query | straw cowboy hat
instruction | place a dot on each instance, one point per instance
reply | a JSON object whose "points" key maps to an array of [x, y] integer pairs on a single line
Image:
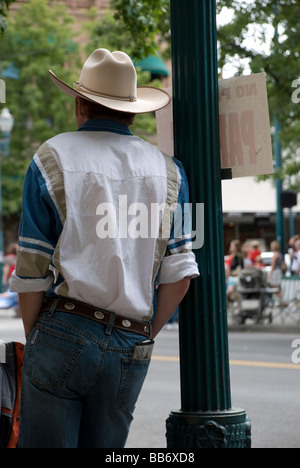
{"points": [[110, 79]]}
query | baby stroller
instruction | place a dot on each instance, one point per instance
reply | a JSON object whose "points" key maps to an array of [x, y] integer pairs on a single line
{"points": [[252, 290]]}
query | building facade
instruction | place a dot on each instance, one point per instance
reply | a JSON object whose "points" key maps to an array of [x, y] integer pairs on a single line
{"points": [[249, 211]]}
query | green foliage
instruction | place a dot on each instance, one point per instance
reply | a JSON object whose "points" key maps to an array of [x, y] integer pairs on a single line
{"points": [[258, 20], [39, 38], [148, 23], [255, 20], [107, 33], [4, 6]]}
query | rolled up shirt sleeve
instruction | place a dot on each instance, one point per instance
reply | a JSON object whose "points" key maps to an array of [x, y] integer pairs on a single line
{"points": [[176, 267], [180, 261], [38, 234], [22, 285]]}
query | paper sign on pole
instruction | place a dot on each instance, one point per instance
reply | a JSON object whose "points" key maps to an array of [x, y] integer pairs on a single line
{"points": [[245, 136], [164, 125]]}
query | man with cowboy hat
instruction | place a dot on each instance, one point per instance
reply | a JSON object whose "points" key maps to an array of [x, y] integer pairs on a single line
{"points": [[100, 265]]}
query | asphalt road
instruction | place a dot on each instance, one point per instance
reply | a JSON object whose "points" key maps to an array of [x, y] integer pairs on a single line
{"points": [[264, 381]]}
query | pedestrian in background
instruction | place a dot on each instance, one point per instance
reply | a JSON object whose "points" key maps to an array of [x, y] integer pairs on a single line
{"points": [[9, 264], [275, 275], [235, 258], [254, 252]]}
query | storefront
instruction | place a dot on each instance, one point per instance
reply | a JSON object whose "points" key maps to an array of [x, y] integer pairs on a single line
{"points": [[249, 212]]}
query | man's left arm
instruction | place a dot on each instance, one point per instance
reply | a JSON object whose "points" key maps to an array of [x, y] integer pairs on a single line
{"points": [[38, 234]]}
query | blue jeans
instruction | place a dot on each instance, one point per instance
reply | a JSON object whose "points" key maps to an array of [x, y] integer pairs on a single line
{"points": [[80, 384]]}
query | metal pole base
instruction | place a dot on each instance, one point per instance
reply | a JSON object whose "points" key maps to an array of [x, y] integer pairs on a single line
{"points": [[221, 429]]}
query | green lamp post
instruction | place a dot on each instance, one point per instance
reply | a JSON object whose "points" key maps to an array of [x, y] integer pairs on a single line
{"points": [[206, 418]]}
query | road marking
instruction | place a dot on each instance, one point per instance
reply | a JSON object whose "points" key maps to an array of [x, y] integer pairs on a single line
{"points": [[234, 362], [165, 358], [270, 365]]}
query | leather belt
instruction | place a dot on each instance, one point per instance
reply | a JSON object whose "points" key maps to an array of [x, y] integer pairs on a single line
{"points": [[99, 315]]}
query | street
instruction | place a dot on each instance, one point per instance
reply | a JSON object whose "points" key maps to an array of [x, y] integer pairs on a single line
{"points": [[264, 381]]}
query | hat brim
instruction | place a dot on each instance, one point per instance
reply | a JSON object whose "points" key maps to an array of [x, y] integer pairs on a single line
{"points": [[149, 99]]}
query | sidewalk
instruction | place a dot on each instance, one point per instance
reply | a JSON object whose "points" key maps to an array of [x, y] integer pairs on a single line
{"points": [[11, 327], [278, 325]]}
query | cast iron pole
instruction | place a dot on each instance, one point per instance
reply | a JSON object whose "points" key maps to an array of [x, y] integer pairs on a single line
{"points": [[206, 418]]}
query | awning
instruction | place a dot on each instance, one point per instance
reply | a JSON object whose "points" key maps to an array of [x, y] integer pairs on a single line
{"points": [[155, 65], [11, 72]]}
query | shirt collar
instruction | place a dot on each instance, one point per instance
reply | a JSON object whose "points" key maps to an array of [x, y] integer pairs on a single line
{"points": [[98, 125]]}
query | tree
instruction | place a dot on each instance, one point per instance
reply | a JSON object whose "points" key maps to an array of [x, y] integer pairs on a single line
{"points": [[148, 20], [39, 38], [275, 22], [4, 6]]}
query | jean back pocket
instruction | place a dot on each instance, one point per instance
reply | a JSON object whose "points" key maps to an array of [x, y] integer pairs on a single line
{"points": [[51, 356]]}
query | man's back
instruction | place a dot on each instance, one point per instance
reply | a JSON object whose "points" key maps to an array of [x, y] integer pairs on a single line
{"points": [[109, 189]]}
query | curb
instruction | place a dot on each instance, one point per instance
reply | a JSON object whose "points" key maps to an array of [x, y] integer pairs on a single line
{"points": [[256, 328]]}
